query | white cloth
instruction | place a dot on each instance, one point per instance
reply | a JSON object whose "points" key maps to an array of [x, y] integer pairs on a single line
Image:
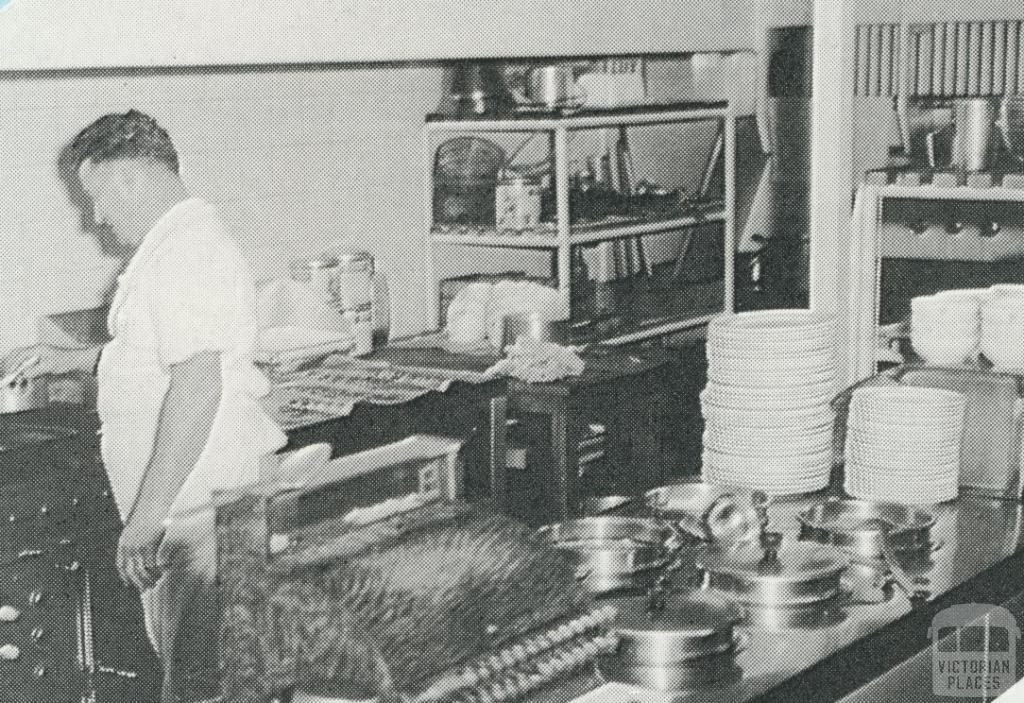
{"points": [[186, 290]]}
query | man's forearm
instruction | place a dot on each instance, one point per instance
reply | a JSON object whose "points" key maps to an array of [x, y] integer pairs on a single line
{"points": [[185, 421]]}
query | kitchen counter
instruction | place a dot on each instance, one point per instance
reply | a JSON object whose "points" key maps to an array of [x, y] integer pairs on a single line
{"points": [[980, 560]]}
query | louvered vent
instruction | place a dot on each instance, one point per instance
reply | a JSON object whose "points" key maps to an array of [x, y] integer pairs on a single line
{"points": [[946, 59]]}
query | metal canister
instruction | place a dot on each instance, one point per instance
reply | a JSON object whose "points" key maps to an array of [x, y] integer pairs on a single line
{"points": [[517, 201], [318, 273], [343, 279], [353, 294]]}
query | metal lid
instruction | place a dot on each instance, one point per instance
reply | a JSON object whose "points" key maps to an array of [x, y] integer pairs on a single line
{"points": [[794, 562], [696, 614], [347, 258], [319, 261]]}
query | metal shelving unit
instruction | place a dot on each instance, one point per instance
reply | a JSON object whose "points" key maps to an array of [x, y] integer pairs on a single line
{"points": [[562, 234], [876, 238]]}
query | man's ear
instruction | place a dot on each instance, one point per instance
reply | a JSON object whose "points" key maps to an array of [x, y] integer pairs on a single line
{"points": [[127, 176]]}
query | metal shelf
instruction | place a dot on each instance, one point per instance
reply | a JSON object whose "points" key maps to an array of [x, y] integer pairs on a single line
{"points": [[611, 118], [599, 233], [931, 192], [508, 242], [567, 234], [618, 232]]}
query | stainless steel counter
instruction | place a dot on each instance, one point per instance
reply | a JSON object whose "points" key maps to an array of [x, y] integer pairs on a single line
{"points": [[980, 560]]}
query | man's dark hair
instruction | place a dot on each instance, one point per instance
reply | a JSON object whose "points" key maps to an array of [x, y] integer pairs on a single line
{"points": [[133, 135]]}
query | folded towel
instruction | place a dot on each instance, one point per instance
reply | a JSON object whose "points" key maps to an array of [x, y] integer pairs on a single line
{"points": [[538, 362]]}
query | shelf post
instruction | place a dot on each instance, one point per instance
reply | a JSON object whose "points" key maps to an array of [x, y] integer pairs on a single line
{"points": [[432, 287], [729, 235], [563, 254]]}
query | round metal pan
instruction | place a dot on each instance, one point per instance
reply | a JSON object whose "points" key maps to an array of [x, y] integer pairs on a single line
{"points": [[612, 553], [715, 671], [800, 574], [683, 628], [861, 526], [607, 529]]}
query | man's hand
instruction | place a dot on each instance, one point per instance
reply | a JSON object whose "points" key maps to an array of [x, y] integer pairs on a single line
{"points": [[139, 557], [42, 359]]}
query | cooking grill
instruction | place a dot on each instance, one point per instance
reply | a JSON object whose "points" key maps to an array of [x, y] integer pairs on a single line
{"points": [[417, 596]]}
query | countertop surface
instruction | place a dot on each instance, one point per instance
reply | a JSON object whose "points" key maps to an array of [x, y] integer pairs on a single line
{"points": [[978, 540]]}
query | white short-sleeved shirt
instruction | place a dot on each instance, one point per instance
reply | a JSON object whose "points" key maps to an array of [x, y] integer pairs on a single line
{"points": [[186, 290]]}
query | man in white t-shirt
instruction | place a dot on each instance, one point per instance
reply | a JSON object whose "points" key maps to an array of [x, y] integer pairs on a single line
{"points": [[178, 394]]}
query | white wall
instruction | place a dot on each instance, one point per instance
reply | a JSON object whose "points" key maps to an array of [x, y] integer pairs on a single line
{"points": [[296, 159]]}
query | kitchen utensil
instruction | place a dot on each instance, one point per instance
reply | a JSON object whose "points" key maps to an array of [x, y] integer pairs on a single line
{"points": [[1011, 125], [862, 527], [793, 575], [553, 86], [974, 128], [477, 89], [711, 513], [926, 127], [517, 201], [683, 628], [536, 326], [714, 671], [612, 553], [465, 177]]}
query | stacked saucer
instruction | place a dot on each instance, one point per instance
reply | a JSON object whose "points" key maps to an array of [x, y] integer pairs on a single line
{"points": [[768, 422], [903, 444]]}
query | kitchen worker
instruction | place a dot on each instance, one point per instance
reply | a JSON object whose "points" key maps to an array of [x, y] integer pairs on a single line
{"points": [[178, 393]]}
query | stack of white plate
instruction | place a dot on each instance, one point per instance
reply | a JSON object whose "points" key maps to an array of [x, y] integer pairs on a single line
{"points": [[903, 444], [1002, 327], [945, 326], [768, 422]]}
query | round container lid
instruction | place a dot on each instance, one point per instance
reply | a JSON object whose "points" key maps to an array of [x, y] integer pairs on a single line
{"points": [[695, 614], [351, 258], [796, 562], [320, 261]]}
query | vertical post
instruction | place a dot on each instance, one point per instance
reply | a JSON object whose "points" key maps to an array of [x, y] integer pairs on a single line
{"points": [[498, 446], [562, 209], [831, 179], [433, 291], [729, 162]]}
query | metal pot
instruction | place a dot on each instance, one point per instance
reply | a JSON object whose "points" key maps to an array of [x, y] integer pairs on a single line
{"points": [[866, 528], [711, 513], [22, 393], [719, 670], [553, 85], [683, 628], [612, 553], [795, 575], [536, 327]]}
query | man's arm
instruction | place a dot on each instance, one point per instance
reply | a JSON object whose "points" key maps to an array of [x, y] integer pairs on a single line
{"points": [[182, 431]]}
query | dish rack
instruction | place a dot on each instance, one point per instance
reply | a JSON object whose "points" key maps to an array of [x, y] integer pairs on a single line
{"points": [[333, 585]]}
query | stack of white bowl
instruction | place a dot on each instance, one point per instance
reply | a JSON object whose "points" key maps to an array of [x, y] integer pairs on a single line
{"points": [[903, 444], [1002, 327], [768, 422], [945, 326]]}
